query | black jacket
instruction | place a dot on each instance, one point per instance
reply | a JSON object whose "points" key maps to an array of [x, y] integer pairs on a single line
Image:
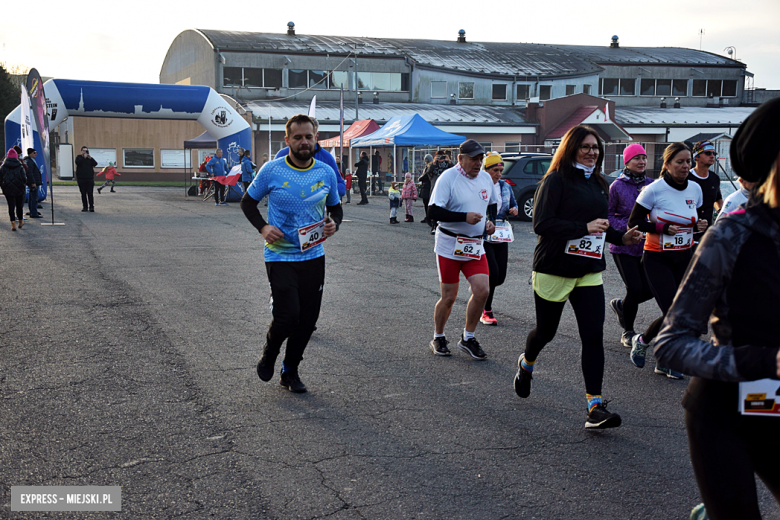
{"points": [[361, 168], [33, 172], [85, 168], [13, 178], [563, 206]]}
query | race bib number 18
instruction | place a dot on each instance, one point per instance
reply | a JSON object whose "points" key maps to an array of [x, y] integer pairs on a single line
{"points": [[591, 246], [311, 235], [679, 242]]}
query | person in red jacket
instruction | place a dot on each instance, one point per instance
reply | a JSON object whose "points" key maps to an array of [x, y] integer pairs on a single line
{"points": [[348, 182], [110, 171]]}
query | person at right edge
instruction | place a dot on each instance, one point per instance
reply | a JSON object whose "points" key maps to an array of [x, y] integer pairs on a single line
{"points": [[570, 217], [85, 177], [300, 191], [733, 282], [704, 155]]}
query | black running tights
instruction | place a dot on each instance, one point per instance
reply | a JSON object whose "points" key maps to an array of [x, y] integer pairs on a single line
{"points": [[296, 288], [15, 204], [726, 454], [588, 305], [497, 258], [665, 272], [637, 288]]}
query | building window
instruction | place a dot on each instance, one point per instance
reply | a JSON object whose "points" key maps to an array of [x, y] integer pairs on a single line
{"points": [[569, 90], [680, 87], [466, 90], [663, 87], [103, 156], [700, 87], [609, 87], [512, 147], [253, 77], [499, 92], [544, 92], [586, 89], [272, 78], [523, 92], [297, 78], [339, 78], [438, 89], [138, 157], [729, 88], [487, 146], [317, 79], [647, 87], [231, 77], [627, 87], [364, 80], [174, 158], [714, 87]]}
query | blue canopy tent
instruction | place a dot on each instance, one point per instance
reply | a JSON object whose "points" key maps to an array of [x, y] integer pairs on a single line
{"points": [[408, 130]]}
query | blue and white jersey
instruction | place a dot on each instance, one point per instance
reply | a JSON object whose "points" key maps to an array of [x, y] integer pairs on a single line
{"points": [[296, 198]]}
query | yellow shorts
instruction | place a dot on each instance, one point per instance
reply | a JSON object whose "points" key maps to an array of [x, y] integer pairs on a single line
{"points": [[557, 288]]}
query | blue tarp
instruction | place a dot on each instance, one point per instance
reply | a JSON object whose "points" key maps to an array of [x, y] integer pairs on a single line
{"points": [[408, 130]]}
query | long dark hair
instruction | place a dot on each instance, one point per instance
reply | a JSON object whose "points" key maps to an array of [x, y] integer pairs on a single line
{"points": [[566, 155]]}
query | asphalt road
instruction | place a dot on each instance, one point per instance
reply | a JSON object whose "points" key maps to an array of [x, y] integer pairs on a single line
{"points": [[128, 351]]}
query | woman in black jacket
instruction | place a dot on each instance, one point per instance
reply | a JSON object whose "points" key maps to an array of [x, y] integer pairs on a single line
{"points": [[733, 283], [13, 181], [570, 217]]}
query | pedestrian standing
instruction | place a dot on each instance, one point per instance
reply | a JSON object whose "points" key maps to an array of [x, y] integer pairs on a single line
{"points": [[426, 185], [733, 283], [441, 163], [348, 184], [464, 203], [13, 180], [409, 195], [361, 170], [85, 177], [247, 169], [570, 217], [497, 247], [303, 210], [395, 201], [110, 173], [668, 211], [218, 167], [34, 174], [628, 259]]}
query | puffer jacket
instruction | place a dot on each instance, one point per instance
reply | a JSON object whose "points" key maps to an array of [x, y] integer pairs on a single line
{"points": [[507, 200], [13, 179], [622, 196]]}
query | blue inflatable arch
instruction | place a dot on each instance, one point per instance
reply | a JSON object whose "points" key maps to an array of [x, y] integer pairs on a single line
{"points": [[66, 97]]}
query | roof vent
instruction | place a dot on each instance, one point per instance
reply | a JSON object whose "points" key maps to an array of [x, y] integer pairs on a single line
{"points": [[615, 44], [461, 36], [290, 29], [663, 102], [676, 102]]}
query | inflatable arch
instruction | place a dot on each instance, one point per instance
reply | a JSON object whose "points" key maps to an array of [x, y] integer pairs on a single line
{"points": [[65, 97]]}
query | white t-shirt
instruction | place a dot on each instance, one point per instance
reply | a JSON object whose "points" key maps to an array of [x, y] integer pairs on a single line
{"points": [[456, 191], [733, 201], [670, 206]]}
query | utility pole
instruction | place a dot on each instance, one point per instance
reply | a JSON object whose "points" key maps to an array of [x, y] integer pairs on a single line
{"points": [[701, 33]]}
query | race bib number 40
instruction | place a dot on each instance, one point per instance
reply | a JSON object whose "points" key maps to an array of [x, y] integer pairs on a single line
{"points": [[760, 397], [591, 246], [679, 242], [311, 235], [470, 248]]}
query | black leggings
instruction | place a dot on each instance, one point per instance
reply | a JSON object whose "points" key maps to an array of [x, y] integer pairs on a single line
{"points": [[87, 194], [588, 305], [497, 258], [726, 451], [665, 272], [637, 287], [296, 288], [15, 203]]}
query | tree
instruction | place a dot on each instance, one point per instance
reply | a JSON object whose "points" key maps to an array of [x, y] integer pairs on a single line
{"points": [[10, 94]]}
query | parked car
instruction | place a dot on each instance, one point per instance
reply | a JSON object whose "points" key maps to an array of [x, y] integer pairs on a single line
{"points": [[523, 171]]}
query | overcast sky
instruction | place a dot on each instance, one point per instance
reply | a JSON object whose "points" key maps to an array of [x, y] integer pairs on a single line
{"points": [[108, 41]]}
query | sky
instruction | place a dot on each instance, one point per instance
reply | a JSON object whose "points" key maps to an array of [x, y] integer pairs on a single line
{"points": [[127, 41]]}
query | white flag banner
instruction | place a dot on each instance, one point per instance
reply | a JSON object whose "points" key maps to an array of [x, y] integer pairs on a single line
{"points": [[313, 108], [27, 132]]}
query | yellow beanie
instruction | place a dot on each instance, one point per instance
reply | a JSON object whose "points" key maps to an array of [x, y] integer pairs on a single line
{"points": [[492, 159]]}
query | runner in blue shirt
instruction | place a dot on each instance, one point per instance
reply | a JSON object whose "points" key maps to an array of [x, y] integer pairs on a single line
{"points": [[301, 190]]}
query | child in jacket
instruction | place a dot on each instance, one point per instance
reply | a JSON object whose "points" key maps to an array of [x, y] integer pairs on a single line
{"points": [[409, 195], [110, 171], [395, 201]]}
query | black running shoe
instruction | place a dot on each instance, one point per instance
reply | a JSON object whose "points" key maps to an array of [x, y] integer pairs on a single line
{"points": [[522, 379], [600, 418], [292, 382], [617, 307], [472, 348], [265, 367], [439, 347]]}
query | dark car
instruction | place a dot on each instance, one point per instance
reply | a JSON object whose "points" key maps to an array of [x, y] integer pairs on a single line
{"points": [[523, 171]]}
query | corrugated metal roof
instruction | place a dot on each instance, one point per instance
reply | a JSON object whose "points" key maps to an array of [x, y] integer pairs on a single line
{"points": [[328, 111], [494, 58], [731, 116]]}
